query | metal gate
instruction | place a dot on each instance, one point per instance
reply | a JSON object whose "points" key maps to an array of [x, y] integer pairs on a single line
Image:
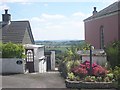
{"points": [[30, 60]]}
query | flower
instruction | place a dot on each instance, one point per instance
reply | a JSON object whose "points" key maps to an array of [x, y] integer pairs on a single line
{"points": [[99, 71], [83, 69], [80, 71]]}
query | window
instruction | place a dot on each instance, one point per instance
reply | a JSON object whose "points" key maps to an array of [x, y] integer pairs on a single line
{"points": [[101, 37], [29, 56]]}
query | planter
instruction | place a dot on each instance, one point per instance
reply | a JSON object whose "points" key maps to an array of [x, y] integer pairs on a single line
{"points": [[90, 85]]}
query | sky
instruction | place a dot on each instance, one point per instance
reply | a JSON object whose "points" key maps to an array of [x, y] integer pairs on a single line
{"points": [[54, 19]]}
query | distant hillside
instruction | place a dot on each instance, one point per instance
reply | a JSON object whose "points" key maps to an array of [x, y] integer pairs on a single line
{"points": [[60, 43], [60, 47]]}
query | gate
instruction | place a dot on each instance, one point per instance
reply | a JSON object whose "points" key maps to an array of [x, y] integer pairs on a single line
{"points": [[30, 60]]}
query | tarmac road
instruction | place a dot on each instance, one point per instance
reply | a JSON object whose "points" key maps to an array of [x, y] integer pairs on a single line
{"points": [[36, 81]]}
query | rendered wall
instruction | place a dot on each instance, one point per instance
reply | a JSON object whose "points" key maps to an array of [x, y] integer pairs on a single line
{"points": [[9, 65], [52, 60], [39, 65], [92, 30], [101, 60]]}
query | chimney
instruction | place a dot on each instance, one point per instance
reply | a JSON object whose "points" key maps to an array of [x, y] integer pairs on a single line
{"points": [[6, 18], [95, 11], [6, 11]]}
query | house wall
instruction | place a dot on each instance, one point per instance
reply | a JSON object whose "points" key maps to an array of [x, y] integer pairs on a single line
{"points": [[42, 66], [119, 22], [36, 60], [42, 63], [39, 65], [37, 55], [92, 30], [26, 39], [9, 65], [52, 60]]}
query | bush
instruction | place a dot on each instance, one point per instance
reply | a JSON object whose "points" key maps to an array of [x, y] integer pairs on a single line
{"points": [[11, 50], [113, 53], [116, 72], [65, 67], [71, 76], [83, 70], [79, 71]]}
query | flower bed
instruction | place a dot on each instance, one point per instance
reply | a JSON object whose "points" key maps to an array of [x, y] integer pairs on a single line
{"points": [[90, 85], [81, 77]]}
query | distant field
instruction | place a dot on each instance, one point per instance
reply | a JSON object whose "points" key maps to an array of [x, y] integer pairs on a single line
{"points": [[62, 49], [60, 43], [59, 47]]}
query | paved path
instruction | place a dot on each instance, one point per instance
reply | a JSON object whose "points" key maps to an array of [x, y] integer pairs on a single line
{"points": [[36, 80]]}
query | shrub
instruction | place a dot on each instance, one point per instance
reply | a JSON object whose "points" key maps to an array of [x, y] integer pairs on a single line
{"points": [[71, 76], [90, 78], [113, 53], [83, 69], [116, 72], [11, 50], [99, 71], [79, 71]]}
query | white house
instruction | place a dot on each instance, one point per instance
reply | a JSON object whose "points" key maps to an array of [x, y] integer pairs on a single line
{"points": [[35, 61]]}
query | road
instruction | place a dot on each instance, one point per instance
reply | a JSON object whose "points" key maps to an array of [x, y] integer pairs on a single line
{"points": [[35, 81]]}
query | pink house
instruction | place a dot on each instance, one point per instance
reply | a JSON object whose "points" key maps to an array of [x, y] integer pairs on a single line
{"points": [[103, 27]]}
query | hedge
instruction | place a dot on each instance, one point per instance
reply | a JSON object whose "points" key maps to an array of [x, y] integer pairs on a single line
{"points": [[11, 50]]}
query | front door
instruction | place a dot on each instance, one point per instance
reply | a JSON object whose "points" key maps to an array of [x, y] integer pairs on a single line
{"points": [[30, 60]]}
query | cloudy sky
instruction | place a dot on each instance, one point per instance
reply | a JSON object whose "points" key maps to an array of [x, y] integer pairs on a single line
{"points": [[54, 19]]}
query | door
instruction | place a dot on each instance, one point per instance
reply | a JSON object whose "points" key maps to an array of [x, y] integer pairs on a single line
{"points": [[30, 60]]}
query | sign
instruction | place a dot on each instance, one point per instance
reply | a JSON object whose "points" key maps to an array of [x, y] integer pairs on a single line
{"points": [[19, 62]]}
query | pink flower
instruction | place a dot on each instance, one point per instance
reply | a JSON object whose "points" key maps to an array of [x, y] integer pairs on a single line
{"points": [[99, 71], [83, 68]]}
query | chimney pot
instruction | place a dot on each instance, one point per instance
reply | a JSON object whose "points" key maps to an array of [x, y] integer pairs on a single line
{"points": [[94, 8], [6, 11], [95, 11], [6, 18]]}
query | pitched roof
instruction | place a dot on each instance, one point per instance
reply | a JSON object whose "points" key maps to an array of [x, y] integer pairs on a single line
{"points": [[14, 32], [115, 7]]}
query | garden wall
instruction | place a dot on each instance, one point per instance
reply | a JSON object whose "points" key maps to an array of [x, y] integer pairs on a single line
{"points": [[99, 59], [11, 65], [52, 60]]}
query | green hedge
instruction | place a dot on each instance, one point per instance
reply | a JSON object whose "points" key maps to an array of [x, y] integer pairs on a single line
{"points": [[11, 50]]}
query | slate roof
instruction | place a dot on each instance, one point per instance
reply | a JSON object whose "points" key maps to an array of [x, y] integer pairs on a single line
{"points": [[115, 7], [15, 31]]}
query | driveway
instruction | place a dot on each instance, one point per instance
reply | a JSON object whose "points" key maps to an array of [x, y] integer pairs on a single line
{"points": [[34, 80], [46, 80]]}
